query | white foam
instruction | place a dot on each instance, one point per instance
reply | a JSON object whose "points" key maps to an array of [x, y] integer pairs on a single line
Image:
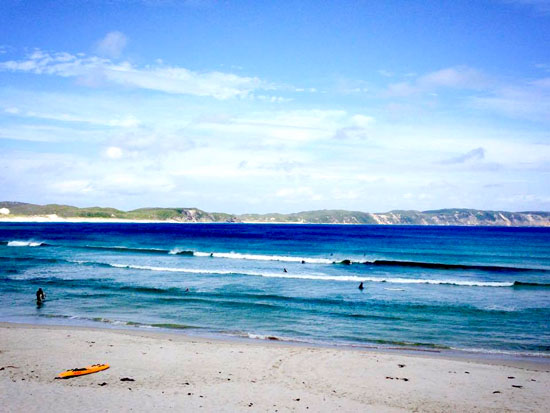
{"points": [[24, 244], [321, 277], [503, 352], [260, 257], [171, 269], [271, 337], [501, 308], [356, 278], [257, 336]]}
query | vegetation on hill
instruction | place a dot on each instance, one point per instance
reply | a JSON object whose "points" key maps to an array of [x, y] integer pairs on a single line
{"points": [[470, 217]]}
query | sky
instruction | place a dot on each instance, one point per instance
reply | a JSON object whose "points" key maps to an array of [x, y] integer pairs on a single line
{"points": [[276, 106]]}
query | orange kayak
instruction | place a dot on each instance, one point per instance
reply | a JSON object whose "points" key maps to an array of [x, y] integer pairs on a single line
{"points": [[94, 368]]}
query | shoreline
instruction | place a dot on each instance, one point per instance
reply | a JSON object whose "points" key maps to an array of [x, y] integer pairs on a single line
{"points": [[60, 220], [190, 373], [483, 356]]}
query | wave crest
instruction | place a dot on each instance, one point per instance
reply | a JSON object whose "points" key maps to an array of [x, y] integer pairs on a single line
{"points": [[24, 244], [262, 257], [322, 277]]}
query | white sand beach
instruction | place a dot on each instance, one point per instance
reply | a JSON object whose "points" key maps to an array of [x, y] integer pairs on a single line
{"points": [[186, 373], [58, 219]]}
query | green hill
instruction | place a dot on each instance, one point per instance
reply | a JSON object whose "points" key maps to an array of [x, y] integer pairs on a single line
{"points": [[461, 217]]}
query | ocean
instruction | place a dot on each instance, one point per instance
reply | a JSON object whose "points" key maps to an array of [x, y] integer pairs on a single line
{"points": [[475, 289]]}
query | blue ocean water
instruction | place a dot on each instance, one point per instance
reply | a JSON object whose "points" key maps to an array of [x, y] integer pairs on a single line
{"points": [[470, 288]]}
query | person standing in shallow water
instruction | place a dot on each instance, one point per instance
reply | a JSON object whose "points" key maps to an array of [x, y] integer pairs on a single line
{"points": [[40, 296]]}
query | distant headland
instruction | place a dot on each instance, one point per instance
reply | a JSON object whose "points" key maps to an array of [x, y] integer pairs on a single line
{"points": [[20, 211]]}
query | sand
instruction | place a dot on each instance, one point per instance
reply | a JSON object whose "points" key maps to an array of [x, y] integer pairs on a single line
{"points": [[57, 219], [185, 373]]}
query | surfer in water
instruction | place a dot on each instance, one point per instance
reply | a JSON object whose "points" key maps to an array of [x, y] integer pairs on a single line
{"points": [[361, 286], [40, 296], [284, 270]]}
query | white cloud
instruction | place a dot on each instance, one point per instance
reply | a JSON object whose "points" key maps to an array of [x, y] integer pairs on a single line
{"points": [[362, 121], [298, 193], [525, 101], [113, 152], [473, 155], [126, 122], [93, 70], [134, 146], [402, 89], [298, 126], [112, 44], [72, 186], [135, 183], [121, 122], [459, 77], [462, 77], [45, 133], [273, 99]]}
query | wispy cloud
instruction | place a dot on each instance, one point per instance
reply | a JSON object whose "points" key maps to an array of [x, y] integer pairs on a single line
{"points": [[112, 44], [122, 122], [113, 152], [356, 128], [460, 77], [543, 66], [473, 155], [94, 70], [469, 88], [529, 100], [298, 194], [290, 127]]}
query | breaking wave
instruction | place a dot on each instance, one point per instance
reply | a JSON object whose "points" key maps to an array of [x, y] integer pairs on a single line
{"points": [[287, 258], [322, 277], [290, 275], [25, 244], [261, 257]]}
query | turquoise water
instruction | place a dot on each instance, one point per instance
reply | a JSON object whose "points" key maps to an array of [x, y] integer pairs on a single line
{"points": [[476, 289]]}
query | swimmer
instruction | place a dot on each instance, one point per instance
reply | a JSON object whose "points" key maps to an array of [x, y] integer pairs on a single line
{"points": [[40, 296]]}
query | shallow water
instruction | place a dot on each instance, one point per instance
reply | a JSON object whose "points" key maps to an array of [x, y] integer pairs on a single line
{"points": [[481, 289]]}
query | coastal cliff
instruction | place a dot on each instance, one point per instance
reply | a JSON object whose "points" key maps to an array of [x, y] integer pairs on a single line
{"points": [[459, 217]]}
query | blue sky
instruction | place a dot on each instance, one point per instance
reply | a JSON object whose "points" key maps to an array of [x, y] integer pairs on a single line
{"points": [[257, 106]]}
